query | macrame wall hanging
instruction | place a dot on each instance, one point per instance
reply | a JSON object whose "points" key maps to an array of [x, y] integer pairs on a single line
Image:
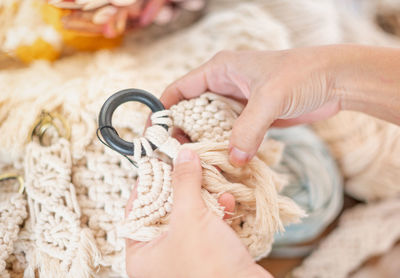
{"points": [[354, 241], [207, 120], [366, 149], [12, 214], [60, 245]]}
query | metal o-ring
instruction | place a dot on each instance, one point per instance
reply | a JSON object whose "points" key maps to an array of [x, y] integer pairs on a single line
{"points": [[105, 117]]}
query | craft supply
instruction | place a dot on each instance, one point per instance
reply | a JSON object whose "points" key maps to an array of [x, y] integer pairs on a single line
{"points": [[207, 120], [62, 247], [103, 180], [315, 184], [78, 86], [363, 232], [12, 214], [387, 266], [367, 151]]}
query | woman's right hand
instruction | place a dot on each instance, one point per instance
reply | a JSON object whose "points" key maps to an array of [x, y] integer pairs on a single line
{"points": [[278, 87], [287, 87]]}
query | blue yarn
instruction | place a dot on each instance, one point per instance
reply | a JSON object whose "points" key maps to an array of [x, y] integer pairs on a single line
{"points": [[315, 184]]}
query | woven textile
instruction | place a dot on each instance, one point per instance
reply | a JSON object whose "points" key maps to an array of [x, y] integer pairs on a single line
{"points": [[77, 86]]}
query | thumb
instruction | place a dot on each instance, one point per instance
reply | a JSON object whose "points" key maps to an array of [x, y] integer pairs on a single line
{"points": [[186, 183], [249, 129]]}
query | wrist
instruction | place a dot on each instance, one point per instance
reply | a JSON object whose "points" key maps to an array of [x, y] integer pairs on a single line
{"points": [[365, 79], [348, 71]]}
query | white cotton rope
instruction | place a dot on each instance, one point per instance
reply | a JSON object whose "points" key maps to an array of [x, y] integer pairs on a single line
{"points": [[62, 247], [315, 184], [77, 86], [12, 214], [367, 150], [363, 232], [208, 119]]}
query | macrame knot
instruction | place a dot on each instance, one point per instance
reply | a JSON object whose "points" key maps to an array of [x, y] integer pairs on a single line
{"points": [[156, 137], [206, 118], [208, 121]]}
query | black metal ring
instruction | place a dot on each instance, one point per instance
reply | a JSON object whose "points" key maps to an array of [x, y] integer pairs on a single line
{"points": [[105, 117]]}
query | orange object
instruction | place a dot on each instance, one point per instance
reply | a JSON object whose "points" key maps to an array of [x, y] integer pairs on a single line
{"points": [[40, 49], [75, 39]]}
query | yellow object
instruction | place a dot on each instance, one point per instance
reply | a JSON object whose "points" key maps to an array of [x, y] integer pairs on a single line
{"points": [[77, 40], [46, 120], [40, 49]]}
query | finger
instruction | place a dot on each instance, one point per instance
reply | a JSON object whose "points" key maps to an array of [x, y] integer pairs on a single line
{"points": [[249, 129], [148, 123], [186, 183], [228, 202], [322, 113], [179, 135], [189, 86]]}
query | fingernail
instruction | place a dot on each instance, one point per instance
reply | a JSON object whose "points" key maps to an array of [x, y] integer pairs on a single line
{"points": [[238, 157], [184, 155]]}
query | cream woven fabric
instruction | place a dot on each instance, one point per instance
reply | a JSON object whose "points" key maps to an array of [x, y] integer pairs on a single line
{"points": [[363, 232], [208, 120], [367, 150], [77, 86], [62, 247], [12, 214]]}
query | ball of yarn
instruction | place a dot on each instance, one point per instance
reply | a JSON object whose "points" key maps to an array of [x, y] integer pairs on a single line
{"points": [[315, 184]]}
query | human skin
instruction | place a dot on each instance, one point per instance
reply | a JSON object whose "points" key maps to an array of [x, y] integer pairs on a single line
{"points": [[198, 243], [279, 88], [287, 87]]}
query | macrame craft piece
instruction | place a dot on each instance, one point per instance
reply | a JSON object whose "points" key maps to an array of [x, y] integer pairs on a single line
{"points": [[364, 231], [103, 181], [12, 214], [62, 247], [208, 119], [367, 150]]}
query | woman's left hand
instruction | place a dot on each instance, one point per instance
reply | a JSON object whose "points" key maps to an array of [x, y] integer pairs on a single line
{"points": [[197, 243]]}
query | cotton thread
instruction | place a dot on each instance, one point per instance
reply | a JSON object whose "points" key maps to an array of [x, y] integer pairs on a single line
{"points": [[79, 85], [208, 119], [61, 245], [353, 241], [12, 214]]}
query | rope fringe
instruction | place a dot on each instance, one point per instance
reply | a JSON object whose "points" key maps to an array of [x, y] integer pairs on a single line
{"points": [[208, 119]]}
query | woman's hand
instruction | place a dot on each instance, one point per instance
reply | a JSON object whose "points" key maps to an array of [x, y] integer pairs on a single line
{"points": [[283, 88], [198, 243], [289, 85]]}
